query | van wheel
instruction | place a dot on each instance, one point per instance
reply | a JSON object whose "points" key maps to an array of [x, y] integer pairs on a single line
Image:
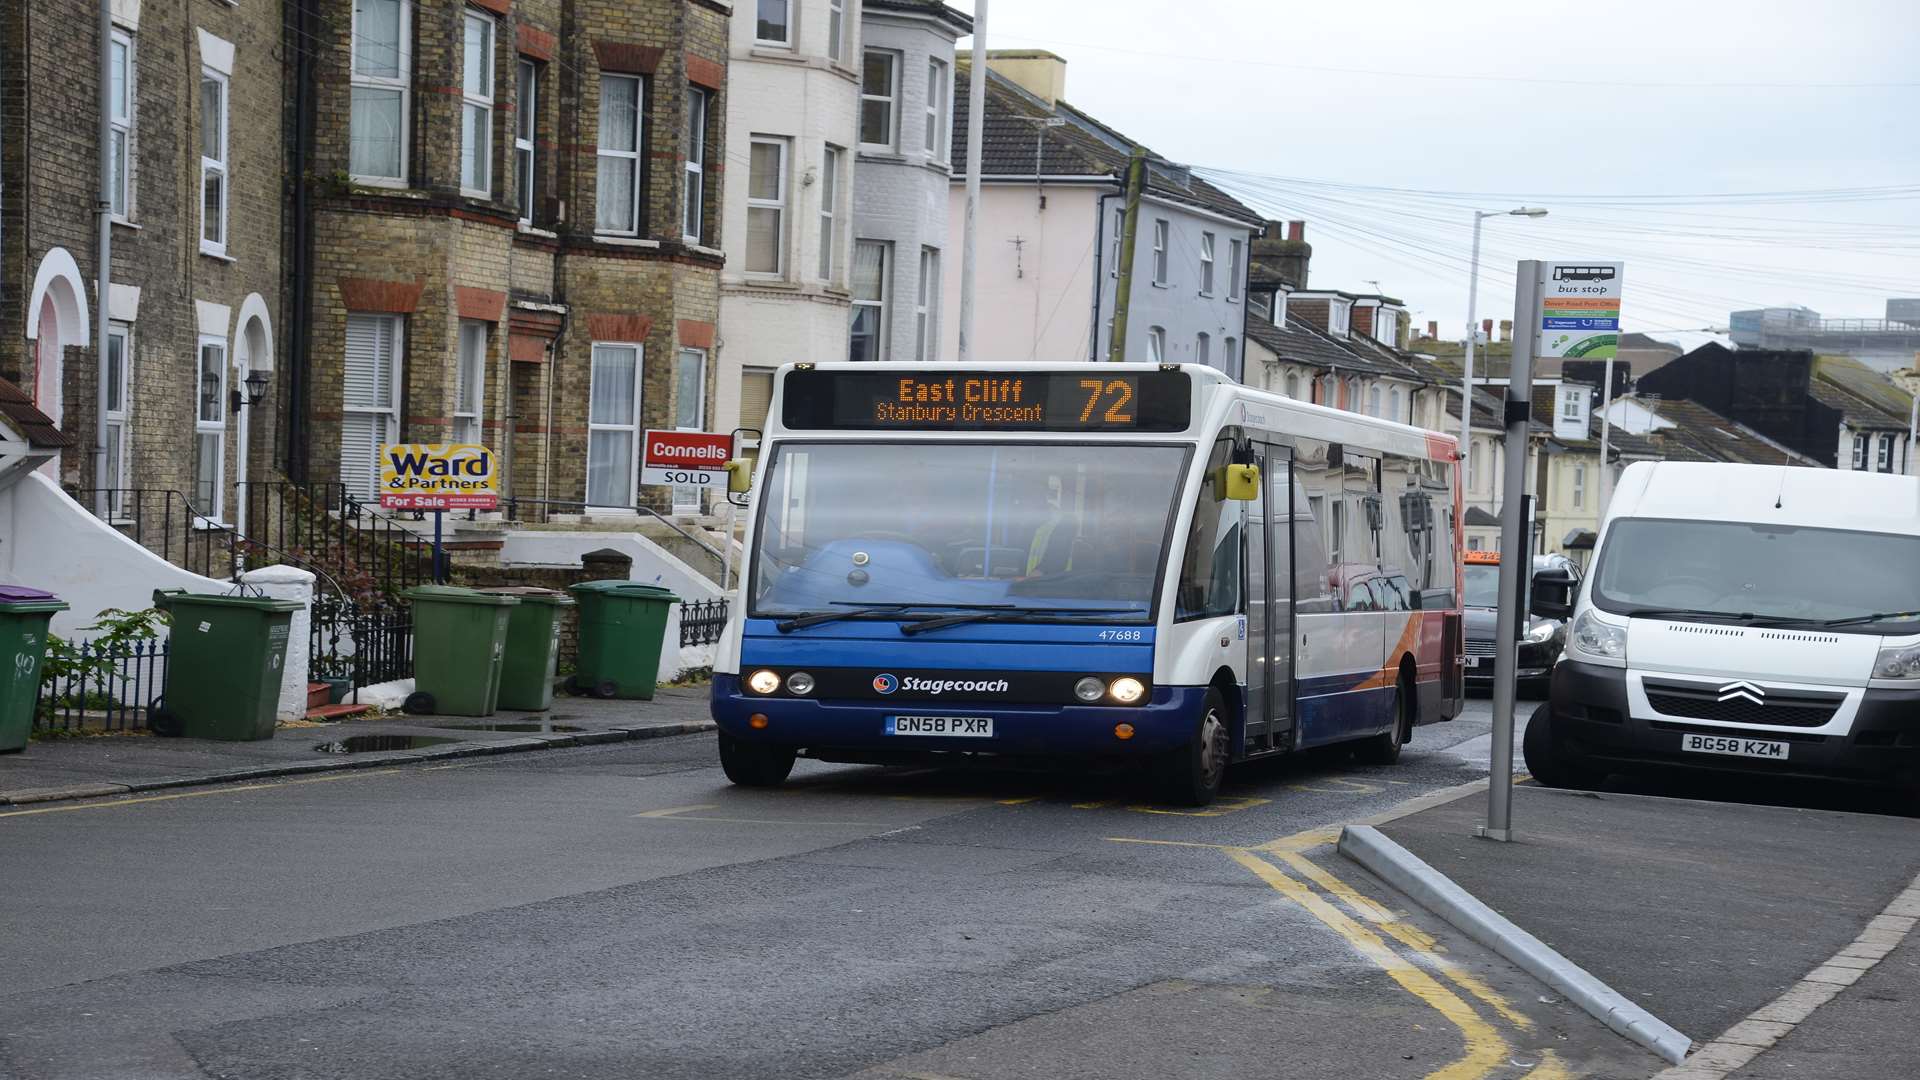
{"points": [[1191, 775], [1384, 749], [755, 764], [1549, 767]]}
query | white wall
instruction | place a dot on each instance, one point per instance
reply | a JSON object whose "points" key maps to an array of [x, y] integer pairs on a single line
{"points": [[902, 198], [801, 95], [48, 541], [1033, 302]]}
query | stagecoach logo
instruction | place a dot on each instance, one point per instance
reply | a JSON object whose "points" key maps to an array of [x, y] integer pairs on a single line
{"points": [[1743, 690], [887, 684]]}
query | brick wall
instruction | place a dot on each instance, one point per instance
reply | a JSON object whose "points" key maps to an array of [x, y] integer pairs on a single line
{"points": [[48, 103]]}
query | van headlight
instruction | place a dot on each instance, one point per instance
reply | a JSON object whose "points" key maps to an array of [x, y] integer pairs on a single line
{"points": [[1898, 662], [1539, 632], [1598, 639]]}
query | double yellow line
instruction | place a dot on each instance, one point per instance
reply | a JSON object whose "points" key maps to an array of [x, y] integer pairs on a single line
{"points": [[1486, 1049]]}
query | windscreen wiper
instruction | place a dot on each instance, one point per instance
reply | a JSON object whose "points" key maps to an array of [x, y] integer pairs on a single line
{"points": [[1854, 620], [1648, 612], [852, 611], [1025, 614]]}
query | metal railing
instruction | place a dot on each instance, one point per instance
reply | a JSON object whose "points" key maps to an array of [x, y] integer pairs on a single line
{"points": [[102, 687], [359, 645], [548, 507], [701, 621], [325, 526], [168, 524]]}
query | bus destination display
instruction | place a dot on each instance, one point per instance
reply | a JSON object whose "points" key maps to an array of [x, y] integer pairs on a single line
{"points": [[1085, 400]]}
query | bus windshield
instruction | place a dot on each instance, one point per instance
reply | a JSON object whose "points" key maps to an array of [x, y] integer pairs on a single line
{"points": [[1049, 528], [1483, 585]]}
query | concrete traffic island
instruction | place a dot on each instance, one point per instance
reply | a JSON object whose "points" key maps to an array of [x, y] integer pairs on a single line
{"points": [[1684, 925]]}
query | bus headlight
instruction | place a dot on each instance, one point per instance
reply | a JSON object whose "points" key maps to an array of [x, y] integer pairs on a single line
{"points": [[800, 683], [1598, 639], [1126, 689], [763, 682], [1089, 689], [1898, 662]]}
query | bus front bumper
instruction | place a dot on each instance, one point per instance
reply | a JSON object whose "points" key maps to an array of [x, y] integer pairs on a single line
{"points": [[859, 727]]}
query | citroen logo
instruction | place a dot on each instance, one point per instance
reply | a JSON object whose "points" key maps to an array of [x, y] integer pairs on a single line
{"points": [[1743, 690]]}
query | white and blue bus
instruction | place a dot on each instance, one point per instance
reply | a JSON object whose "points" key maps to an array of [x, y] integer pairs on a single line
{"points": [[1121, 561]]}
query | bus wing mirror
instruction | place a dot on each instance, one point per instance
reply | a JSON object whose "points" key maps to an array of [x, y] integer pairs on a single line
{"points": [[1243, 482], [739, 476], [1552, 595]]}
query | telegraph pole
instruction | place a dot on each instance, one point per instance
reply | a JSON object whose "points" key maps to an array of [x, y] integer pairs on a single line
{"points": [[976, 122], [1129, 230]]}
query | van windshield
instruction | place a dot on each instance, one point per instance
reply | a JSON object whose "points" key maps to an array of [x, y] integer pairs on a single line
{"points": [[1765, 573], [1042, 528]]}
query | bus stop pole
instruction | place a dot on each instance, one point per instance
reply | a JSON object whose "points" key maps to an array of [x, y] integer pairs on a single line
{"points": [[1516, 554]]}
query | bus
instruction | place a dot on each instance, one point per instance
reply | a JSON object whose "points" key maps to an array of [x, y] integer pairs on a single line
{"points": [[1136, 562]]}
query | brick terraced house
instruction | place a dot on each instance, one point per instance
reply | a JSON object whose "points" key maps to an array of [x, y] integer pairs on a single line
{"points": [[195, 362], [514, 234]]}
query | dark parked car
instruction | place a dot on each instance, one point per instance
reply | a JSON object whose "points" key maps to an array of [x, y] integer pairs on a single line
{"points": [[1540, 643]]}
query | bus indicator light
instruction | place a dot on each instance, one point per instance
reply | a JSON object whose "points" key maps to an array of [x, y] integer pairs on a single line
{"points": [[757, 721], [1123, 731]]}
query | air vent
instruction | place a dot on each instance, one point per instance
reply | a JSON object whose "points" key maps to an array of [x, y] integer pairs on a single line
{"points": [[1784, 635], [1712, 631]]}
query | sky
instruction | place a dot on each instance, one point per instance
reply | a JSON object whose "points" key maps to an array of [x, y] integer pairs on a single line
{"points": [[1733, 155]]}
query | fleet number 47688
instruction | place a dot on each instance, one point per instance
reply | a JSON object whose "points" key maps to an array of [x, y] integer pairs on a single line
{"points": [[1119, 635]]}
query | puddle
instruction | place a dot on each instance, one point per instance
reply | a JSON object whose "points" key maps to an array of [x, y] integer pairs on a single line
{"points": [[548, 728], [367, 744]]}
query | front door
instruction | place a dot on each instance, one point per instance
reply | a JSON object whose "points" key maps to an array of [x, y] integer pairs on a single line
{"points": [[1270, 603]]}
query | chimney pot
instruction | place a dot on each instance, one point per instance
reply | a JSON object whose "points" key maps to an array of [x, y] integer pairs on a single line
{"points": [[1433, 329], [1296, 230], [1486, 327]]}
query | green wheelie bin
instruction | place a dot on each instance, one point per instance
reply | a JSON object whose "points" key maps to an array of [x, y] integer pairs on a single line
{"points": [[226, 658], [621, 627], [459, 644], [533, 646], [24, 614]]}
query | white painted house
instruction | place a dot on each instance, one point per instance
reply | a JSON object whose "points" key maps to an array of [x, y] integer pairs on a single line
{"points": [[1052, 195], [904, 166], [793, 106]]}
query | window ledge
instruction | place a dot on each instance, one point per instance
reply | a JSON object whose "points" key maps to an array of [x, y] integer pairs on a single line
{"points": [[702, 249], [625, 241], [476, 193], [1160, 285], [384, 183], [123, 223], [1205, 295], [773, 50], [876, 152], [768, 281], [219, 256], [525, 229]]}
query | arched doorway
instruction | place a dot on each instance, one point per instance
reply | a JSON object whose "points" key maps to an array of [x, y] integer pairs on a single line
{"points": [[252, 352], [56, 320]]}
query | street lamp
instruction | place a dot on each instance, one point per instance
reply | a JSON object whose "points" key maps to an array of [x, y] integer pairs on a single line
{"points": [[1473, 328]]}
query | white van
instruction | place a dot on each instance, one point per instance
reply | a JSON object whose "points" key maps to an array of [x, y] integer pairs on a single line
{"points": [[1743, 618]]}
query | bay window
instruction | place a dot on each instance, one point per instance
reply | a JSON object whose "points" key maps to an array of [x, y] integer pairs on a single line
{"points": [[613, 424], [694, 194], [879, 94], [369, 414], [618, 173], [525, 125], [476, 106], [767, 206], [470, 382], [381, 89], [867, 339]]}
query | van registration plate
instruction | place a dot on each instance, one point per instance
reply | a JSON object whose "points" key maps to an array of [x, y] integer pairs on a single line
{"points": [[977, 727], [1737, 747]]}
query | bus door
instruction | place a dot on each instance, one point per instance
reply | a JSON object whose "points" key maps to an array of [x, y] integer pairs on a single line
{"points": [[1270, 603]]}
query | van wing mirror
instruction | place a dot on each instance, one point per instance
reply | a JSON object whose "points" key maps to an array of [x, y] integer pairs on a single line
{"points": [[1242, 483], [1553, 594]]}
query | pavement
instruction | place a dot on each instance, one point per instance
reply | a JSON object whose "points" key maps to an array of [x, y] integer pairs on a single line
{"points": [[122, 763], [1703, 911]]}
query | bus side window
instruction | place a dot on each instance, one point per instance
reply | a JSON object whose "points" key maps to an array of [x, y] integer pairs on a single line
{"points": [[1210, 571], [1312, 583]]}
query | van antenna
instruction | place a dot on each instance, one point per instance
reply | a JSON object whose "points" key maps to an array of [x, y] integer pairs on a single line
{"points": [[1783, 487]]}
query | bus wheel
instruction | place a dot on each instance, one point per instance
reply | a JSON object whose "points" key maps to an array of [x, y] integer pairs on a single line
{"points": [[754, 764], [1191, 775], [1384, 749]]}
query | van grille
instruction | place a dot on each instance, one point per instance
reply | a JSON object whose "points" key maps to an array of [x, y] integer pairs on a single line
{"points": [[1783, 708], [1480, 646]]}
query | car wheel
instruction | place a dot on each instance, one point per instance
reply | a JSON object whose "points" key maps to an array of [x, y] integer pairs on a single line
{"points": [[1384, 749], [1191, 775], [1547, 763], [755, 764]]}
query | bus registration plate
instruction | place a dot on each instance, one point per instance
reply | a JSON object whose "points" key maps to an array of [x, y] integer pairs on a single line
{"points": [[979, 727], [1719, 744]]}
